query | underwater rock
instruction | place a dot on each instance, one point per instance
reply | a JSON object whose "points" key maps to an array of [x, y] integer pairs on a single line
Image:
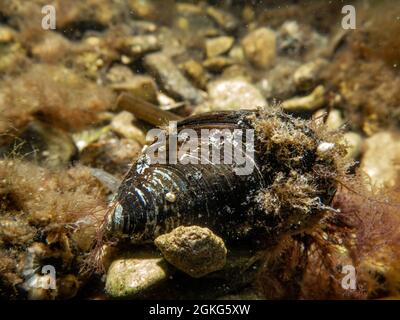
{"points": [[122, 124], [52, 47], [306, 76], [86, 137], [135, 276], [43, 143], [137, 46], [91, 63], [6, 34], [296, 40], [196, 73], [141, 86], [382, 170], [315, 100], [237, 71], [194, 24], [111, 154], [260, 47], [278, 82], [154, 10], [232, 94], [217, 64], [119, 73], [194, 250], [224, 19], [237, 54], [241, 268], [334, 120], [218, 45], [354, 143], [171, 79]]}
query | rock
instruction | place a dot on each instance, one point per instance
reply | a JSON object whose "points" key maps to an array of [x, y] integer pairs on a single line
{"points": [[108, 181], [291, 38], [119, 73], [142, 27], [334, 120], [122, 124], [382, 150], [195, 72], [171, 79], [260, 47], [192, 20], [112, 154], [296, 40], [91, 62], [41, 142], [218, 45], [313, 101], [224, 19], [141, 86], [6, 34], [278, 82], [354, 143], [136, 276], [154, 10], [217, 64], [248, 13], [237, 54], [84, 138], [166, 102], [11, 55], [194, 250], [232, 94], [240, 271], [237, 71], [307, 75], [52, 47], [137, 46]]}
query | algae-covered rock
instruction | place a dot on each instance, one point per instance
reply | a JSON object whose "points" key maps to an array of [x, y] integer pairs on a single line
{"points": [[354, 143], [218, 45], [382, 170], [171, 79], [194, 250], [313, 101], [260, 47], [232, 94], [122, 124], [135, 276], [307, 75], [44, 143], [224, 19], [142, 87]]}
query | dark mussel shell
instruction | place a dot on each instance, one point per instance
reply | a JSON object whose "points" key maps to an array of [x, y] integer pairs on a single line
{"points": [[156, 198]]}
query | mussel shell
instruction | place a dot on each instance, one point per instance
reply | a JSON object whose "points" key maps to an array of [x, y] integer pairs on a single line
{"points": [[209, 195]]}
